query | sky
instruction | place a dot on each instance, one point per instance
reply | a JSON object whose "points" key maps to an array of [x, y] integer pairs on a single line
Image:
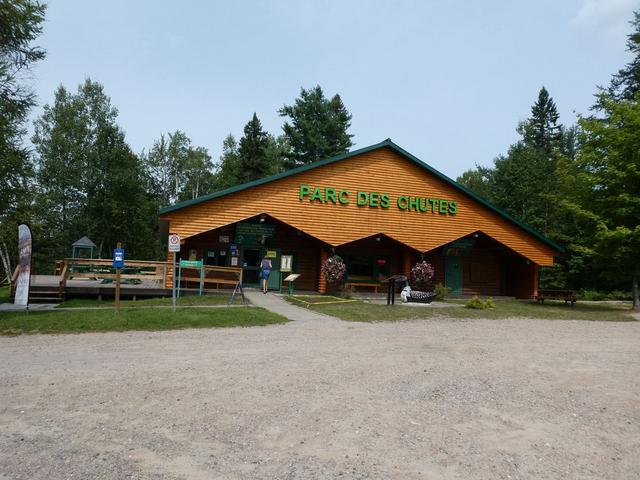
{"points": [[447, 81]]}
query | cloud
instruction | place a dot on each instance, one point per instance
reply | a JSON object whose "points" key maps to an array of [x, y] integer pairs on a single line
{"points": [[606, 18]]}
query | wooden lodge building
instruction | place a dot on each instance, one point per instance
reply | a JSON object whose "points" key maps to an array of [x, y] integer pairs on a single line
{"points": [[381, 209]]}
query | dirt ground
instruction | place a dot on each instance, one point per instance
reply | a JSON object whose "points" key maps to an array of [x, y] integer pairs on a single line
{"points": [[440, 399]]}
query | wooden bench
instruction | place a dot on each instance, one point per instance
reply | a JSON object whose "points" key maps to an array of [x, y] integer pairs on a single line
{"points": [[362, 282], [568, 296]]}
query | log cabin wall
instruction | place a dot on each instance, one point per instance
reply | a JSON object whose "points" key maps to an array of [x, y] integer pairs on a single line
{"points": [[383, 171], [324, 224], [482, 273]]}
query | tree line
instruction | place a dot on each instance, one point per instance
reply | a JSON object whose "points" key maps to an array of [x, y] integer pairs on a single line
{"points": [[82, 178], [577, 184], [580, 184]]}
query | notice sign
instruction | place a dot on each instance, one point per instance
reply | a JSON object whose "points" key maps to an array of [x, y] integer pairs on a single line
{"points": [[25, 244], [286, 263], [253, 233], [118, 258], [191, 263], [174, 243]]}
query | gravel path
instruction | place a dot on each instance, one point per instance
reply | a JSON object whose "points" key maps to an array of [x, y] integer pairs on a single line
{"points": [[439, 399]]}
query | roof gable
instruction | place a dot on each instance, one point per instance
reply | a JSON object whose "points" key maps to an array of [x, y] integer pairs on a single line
{"points": [[384, 144]]}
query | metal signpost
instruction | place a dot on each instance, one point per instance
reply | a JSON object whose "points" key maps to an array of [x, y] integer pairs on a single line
{"points": [[118, 264], [174, 246]]}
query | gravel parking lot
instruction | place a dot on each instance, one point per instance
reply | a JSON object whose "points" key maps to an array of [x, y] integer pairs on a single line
{"points": [[441, 399]]}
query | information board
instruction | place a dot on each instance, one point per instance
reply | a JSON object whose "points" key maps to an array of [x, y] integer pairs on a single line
{"points": [[252, 233], [286, 263]]}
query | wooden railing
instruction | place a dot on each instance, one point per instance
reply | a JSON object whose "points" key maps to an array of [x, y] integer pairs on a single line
{"points": [[213, 274], [103, 269], [70, 268]]}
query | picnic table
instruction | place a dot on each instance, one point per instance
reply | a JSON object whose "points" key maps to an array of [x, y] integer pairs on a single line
{"points": [[569, 296]]}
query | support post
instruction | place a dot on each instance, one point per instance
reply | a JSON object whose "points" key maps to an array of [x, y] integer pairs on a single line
{"points": [[322, 282], [173, 278], [118, 270], [406, 263]]}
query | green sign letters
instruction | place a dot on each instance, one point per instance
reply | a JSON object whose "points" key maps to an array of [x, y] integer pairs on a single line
{"points": [[377, 200]]}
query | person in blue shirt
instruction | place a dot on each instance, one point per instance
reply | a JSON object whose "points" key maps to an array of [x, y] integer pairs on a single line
{"points": [[265, 270]]}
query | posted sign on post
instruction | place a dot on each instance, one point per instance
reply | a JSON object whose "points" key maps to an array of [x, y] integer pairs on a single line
{"points": [[174, 243], [118, 258], [118, 264], [174, 247]]}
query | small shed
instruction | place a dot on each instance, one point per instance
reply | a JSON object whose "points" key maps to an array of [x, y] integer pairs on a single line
{"points": [[83, 248]]}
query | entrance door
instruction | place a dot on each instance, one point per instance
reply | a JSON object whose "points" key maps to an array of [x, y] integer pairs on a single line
{"points": [[274, 276], [250, 258], [453, 274]]}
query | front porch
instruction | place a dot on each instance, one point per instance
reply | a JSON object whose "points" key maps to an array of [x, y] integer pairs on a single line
{"points": [[472, 265]]}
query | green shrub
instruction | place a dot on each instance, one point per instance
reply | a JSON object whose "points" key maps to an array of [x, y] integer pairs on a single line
{"points": [[597, 296], [479, 304], [441, 291]]}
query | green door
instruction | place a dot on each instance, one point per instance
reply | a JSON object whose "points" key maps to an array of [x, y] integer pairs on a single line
{"points": [[453, 274], [274, 276]]}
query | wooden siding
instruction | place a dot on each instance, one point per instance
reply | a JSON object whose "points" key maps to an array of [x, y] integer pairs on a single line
{"points": [[482, 273], [383, 171]]}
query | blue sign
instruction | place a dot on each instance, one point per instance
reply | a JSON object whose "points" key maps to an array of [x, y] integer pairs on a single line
{"points": [[118, 258]]}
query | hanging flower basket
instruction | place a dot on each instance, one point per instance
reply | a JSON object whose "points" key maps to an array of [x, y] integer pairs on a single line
{"points": [[422, 275], [333, 270]]}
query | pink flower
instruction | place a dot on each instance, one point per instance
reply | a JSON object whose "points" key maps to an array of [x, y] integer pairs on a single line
{"points": [[333, 269], [422, 275]]}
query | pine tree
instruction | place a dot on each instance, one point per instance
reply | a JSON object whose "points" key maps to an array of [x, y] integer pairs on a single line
{"points": [[522, 182], [318, 129], [253, 159], [542, 129], [228, 168], [626, 83], [21, 23]]}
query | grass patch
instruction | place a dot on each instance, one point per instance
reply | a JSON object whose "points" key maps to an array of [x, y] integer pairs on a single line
{"points": [[4, 294], [306, 300], [186, 301], [68, 321], [367, 312]]}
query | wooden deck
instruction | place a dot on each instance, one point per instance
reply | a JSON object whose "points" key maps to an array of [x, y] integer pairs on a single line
{"points": [[96, 278], [45, 288], [85, 287]]}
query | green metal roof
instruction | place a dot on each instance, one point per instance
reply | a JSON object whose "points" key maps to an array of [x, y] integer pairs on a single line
{"points": [[386, 143]]}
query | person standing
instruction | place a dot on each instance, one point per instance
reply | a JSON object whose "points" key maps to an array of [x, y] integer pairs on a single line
{"points": [[265, 270]]}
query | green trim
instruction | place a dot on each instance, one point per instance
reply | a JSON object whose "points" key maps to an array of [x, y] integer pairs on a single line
{"points": [[386, 143], [272, 178]]}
